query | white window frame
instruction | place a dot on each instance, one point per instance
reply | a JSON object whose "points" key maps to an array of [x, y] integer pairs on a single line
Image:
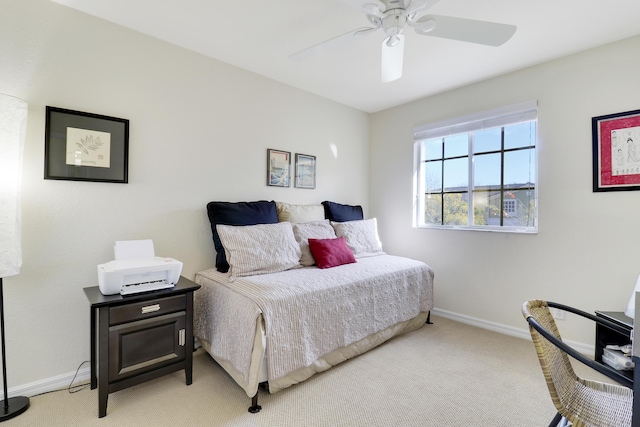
{"points": [[499, 117]]}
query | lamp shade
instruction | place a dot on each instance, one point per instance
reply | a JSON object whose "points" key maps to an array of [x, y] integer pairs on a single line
{"points": [[631, 305], [13, 123]]}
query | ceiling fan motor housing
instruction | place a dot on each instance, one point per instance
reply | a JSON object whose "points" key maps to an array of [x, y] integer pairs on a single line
{"points": [[393, 22]]}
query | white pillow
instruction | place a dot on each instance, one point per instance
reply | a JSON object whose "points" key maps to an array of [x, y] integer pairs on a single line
{"points": [[315, 230], [361, 236], [259, 249], [299, 213]]}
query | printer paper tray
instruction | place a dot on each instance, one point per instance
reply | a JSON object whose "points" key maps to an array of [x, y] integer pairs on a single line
{"points": [[136, 288]]}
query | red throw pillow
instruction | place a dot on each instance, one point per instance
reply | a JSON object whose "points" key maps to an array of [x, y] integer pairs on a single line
{"points": [[331, 252]]}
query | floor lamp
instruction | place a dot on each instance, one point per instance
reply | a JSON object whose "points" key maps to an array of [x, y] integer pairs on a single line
{"points": [[13, 120]]}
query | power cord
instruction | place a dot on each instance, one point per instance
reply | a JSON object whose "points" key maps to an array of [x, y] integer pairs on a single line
{"points": [[78, 387], [71, 388]]}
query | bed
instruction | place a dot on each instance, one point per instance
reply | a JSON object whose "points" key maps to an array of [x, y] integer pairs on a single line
{"points": [[299, 294]]}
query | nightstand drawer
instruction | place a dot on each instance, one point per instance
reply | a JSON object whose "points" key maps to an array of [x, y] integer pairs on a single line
{"points": [[146, 309], [146, 345]]}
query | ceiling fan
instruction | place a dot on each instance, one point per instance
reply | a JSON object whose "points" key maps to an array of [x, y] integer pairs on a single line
{"points": [[392, 16]]}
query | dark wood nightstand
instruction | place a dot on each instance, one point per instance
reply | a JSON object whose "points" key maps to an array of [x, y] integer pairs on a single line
{"points": [[140, 337]]}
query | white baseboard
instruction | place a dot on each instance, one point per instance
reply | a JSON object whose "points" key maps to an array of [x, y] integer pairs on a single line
{"points": [[586, 349], [60, 382]]}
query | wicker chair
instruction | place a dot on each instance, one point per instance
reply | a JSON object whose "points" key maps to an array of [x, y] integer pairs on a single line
{"points": [[581, 401]]}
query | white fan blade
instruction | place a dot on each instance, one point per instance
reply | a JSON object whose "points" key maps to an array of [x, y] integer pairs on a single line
{"points": [[391, 67], [375, 20], [467, 30], [423, 26], [359, 4], [364, 32], [333, 42], [418, 5], [372, 9]]}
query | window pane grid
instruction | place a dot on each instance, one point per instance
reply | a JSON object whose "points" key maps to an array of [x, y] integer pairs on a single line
{"points": [[499, 188]]}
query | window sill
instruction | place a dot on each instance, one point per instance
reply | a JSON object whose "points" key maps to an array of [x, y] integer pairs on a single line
{"points": [[516, 230]]}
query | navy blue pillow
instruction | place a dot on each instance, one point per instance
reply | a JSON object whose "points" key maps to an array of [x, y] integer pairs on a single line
{"points": [[238, 213], [342, 213]]}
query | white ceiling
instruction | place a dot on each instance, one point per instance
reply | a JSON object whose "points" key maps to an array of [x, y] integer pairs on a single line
{"points": [[259, 36]]}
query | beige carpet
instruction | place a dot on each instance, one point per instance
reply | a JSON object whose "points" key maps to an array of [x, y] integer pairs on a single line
{"points": [[445, 374]]}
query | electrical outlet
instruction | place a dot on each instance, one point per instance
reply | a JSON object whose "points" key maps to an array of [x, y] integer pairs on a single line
{"points": [[557, 313]]}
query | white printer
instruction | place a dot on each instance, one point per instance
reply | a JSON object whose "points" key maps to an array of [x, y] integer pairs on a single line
{"points": [[136, 269]]}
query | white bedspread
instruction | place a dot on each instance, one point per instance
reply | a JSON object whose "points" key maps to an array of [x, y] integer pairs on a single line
{"points": [[309, 312]]}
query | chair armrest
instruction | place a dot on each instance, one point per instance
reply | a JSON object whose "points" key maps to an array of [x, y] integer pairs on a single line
{"points": [[604, 322], [603, 369]]}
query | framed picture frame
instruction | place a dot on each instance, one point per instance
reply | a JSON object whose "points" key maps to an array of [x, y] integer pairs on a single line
{"points": [[616, 151], [81, 146], [305, 171], [278, 168]]}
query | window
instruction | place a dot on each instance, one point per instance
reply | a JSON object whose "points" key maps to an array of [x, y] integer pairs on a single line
{"points": [[478, 172], [509, 206]]}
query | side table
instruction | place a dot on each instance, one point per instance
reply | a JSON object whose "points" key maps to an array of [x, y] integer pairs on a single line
{"points": [[606, 336], [140, 337]]}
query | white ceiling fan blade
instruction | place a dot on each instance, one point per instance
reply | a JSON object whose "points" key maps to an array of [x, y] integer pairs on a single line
{"points": [[331, 43], [359, 4], [372, 9], [364, 32], [467, 30], [392, 57], [418, 5], [423, 26], [374, 20]]}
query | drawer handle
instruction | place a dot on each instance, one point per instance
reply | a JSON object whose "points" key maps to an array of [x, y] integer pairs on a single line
{"points": [[182, 338], [150, 308]]}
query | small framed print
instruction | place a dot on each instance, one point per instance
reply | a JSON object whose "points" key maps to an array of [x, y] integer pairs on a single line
{"points": [[81, 146], [305, 171], [278, 168], [616, 151]]}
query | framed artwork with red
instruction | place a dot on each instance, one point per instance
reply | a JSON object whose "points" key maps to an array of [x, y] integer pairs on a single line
{"points": [[616, 151]]}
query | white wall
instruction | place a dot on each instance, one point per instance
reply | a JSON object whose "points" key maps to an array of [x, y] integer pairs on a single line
{"points": [[199, 132], [585, 253]]}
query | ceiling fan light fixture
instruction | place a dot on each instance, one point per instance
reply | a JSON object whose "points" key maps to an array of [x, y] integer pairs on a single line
{"points": [[392, 58]]}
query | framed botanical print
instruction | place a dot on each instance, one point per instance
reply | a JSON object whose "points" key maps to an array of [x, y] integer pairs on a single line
{"points": [[83, 146]]}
